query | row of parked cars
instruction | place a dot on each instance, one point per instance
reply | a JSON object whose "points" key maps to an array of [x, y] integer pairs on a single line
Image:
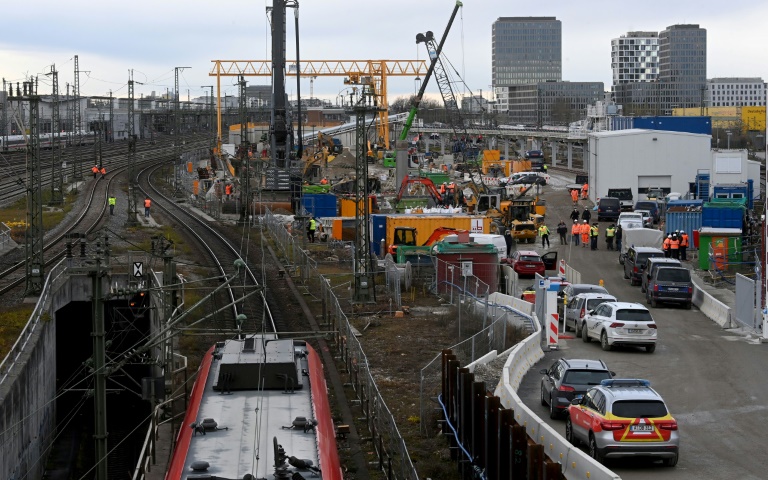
{"points": [[614, 418], [662, 279]]}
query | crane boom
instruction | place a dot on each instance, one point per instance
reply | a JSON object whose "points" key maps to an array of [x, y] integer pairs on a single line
{"points": [[417, 100]]}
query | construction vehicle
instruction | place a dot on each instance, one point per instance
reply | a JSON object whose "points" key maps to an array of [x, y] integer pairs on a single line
{"points": [[519, 216], [427, 186], [406, 237]]}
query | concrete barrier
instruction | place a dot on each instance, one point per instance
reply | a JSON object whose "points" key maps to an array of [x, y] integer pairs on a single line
{"points": [[576, 464], [521, 305], [716, 310]]}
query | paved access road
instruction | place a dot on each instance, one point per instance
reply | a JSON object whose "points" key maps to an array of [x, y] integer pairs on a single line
{"points": [[715, 382]]}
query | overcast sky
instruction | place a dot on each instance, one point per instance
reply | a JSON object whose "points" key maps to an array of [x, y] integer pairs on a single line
{"points": [[153, 37]]}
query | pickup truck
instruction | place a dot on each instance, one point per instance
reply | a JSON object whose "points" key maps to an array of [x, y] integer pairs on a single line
{"points": [[625, 198]]}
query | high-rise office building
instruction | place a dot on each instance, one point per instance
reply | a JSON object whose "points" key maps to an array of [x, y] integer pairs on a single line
{"points": [[736, 92], [635, 57], [525, 50], [682, 74]]}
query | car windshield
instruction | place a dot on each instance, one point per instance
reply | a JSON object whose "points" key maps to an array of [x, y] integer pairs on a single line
{"points": [[588, 288], [634, 315], [585, 377], [631, 216], [639, 409], [609, 203], [592, 303], [645, 206], [674, 275], [530, 258]]}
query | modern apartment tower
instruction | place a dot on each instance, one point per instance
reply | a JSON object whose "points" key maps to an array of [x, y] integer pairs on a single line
{"points": [[682, 74], [635, 57], [525, 50]]}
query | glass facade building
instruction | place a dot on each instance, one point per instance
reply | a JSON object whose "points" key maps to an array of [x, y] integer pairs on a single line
{"points": [[635, 57], [736, 92], [551, 103], [526, 50]]}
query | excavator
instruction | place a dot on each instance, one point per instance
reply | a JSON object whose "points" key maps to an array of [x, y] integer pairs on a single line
{"points": [[425, 183], [326, 151], [406, 237]]}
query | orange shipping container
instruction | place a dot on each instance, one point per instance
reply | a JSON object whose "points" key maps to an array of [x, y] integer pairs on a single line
{"points": [[426, 224], [348, 207]]}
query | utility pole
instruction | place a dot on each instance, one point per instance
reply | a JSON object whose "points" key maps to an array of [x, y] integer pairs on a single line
{"points": [[364, 272], [177, 128], [69, 119], [57, 177], [77, 167], [132, 211], [245, 177], [111, 118], [209, 107], [5, 113], [33, 245], [99, 369]]}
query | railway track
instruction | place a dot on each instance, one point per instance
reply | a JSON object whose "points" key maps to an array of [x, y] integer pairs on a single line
{"points": [[114, 156], [86, 221], [257, 312]]}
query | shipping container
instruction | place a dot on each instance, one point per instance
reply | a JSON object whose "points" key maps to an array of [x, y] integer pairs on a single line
{"points": [[426, 224], [320, 204], [722, 214], [735, 191], [454, 259], [348, 208], [682, 218], [339, 228], [682, 202], [378, 233], [701, 125], [726, 247]]}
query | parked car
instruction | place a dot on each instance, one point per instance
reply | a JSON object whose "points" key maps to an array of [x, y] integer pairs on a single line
{"points": [[625, 197], [573, 289], [624, 418], [620, 323], [608, 208], [567, 379], [580, 305], [634, 262], [526, 262], [670, 284], [626, 217], [522, 174], [647, 218], [651, 206], [651, 264], [532, 179]]}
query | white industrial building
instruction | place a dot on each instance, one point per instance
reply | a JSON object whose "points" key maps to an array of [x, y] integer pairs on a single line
{"points": [[641, 159]]}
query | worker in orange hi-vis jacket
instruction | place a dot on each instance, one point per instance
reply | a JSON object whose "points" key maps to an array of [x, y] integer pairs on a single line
{"points": [[584, 191], [575, 196], [585, 234]]}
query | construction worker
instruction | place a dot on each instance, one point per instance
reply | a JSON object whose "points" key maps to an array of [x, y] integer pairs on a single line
{"points": [[610, 234], [103, 172], [228, 190], [575, 232], [594, 234], [683, 245], [112, 202], [544, 234], [586, 215], [674, 247], [509, 241], [666, 246], [584, 191], [95, 170], [575, 196], [575, 214], [619, 234], [324, 181], [562, 230], [311, 228], [451, 193], [584, 234], [147, 205]]}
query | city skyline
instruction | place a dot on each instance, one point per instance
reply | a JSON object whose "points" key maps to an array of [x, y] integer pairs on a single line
{"points": [[166, 36]]}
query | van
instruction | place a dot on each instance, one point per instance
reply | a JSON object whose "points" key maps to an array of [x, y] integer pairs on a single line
{"points": [[670, 284], [650, 269], [625, 197], [490, 239], [635, 261], [608, 208]]}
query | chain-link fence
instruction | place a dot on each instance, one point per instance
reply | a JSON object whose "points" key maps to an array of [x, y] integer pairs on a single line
{"points": [[392, 453]]}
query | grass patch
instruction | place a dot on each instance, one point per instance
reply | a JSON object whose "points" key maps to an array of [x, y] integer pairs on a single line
{"points": [[12, 322], [15, 215]]}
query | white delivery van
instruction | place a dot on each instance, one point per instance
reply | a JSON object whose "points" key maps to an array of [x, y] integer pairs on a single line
{"points": [[491, 239]]}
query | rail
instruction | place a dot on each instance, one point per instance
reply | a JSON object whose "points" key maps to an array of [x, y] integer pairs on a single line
{"points": [[386, 440]]}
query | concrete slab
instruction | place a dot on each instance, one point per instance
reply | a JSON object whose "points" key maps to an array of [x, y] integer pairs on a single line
{"points": [[147, 221]]}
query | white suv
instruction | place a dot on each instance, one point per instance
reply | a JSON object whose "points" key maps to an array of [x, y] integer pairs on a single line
{"points": [[620, 323]]}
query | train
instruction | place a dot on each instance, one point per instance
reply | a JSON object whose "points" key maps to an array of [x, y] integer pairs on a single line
{"points": [[15, 143]]}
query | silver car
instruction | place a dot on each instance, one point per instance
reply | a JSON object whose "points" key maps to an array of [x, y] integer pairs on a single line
{"points": [[581, 305]]}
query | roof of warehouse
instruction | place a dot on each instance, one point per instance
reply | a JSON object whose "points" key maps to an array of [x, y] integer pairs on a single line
{"points": [[641, 131]]}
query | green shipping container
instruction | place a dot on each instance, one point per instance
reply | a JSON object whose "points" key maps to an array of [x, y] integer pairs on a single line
{"points": [[726, 244]]}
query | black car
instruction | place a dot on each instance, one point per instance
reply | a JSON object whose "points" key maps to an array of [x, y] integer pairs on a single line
{"points": [[568, 378], [608, 208], [635, 261], [529, 180], [670, 284]]}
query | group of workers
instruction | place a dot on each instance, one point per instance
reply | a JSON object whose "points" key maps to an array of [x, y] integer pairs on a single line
{"points": [[584, 194], [585, 234], [112, 201], [676, 245], [96, 170], [448, 193]]}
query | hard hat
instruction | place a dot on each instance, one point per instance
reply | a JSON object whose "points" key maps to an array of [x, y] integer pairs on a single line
{"points": [[585, 221], [669, 236], [682, 231]]}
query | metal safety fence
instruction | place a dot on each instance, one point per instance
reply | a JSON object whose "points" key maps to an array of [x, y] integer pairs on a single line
{"points": [[389, 445], [5, 235]]}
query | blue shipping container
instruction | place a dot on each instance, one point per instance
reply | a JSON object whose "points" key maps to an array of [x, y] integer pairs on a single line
{"points": [[736, 191], [379, 232], [694, 203], [681, 219], [722, 217], [701, 125], [320, 204]]}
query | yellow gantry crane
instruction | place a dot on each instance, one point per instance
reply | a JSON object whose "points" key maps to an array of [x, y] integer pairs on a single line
{"points": [[357, 72]]}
